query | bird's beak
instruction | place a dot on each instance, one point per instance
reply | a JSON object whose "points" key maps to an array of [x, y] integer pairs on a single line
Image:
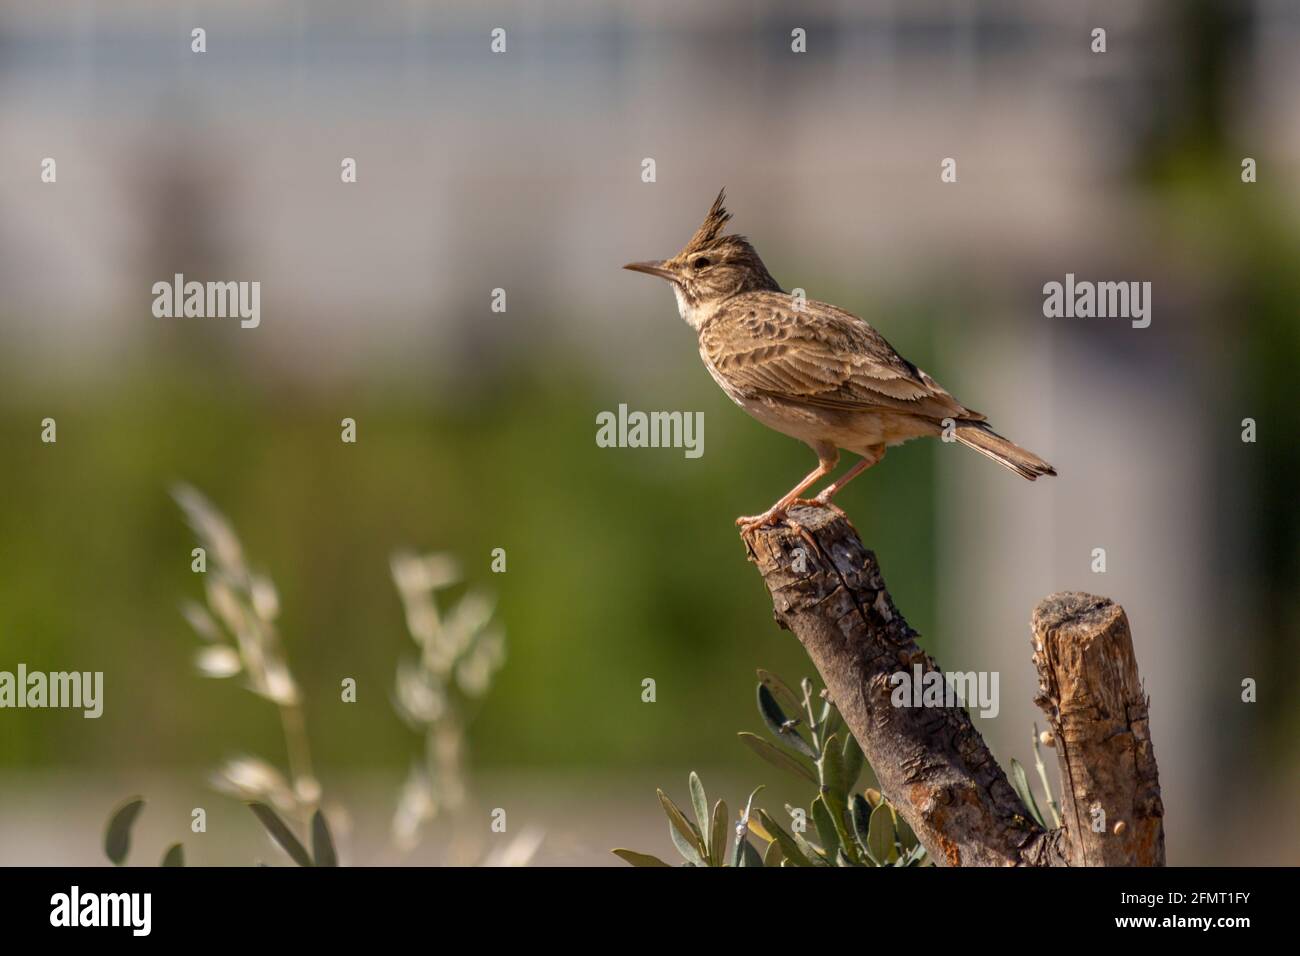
{"points": [[652, 268]]}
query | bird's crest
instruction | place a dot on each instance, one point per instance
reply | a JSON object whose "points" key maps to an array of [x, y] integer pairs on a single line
{"points": [[713, 223]]}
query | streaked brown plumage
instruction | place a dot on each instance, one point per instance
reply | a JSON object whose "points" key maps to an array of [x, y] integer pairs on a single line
{"points": [[811, 370]]}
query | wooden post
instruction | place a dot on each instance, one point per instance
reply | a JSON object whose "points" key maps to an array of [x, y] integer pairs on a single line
{"points": [[932, 763], [1091, 692]]}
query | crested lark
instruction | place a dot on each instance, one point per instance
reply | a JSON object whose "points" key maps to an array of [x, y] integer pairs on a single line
{"points": [[811, 370]]}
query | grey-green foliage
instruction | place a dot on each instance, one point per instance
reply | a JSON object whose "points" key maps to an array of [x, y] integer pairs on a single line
{"points": [[1052, 806], [1020, 783], [810, 741], [706, 840], [461, 649], [322, 843], [240, 638], [175, 856], [117, 835]]}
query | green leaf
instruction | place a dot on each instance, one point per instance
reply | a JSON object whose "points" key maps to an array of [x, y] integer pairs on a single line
{"points": [[175, 856], [825, 824], [281, 833], [780, 690], [1021, 785], [852, 758], [322, 845], [778, 758], [880, 834], [686, 847], [839, 816], [700, 802], [773, 855], [789, 848], [831, 768], [718, 834], [860, 817], [835, 793], [638, 859], [117, 837], [834, 724], [831, 722], [781, 725], [827, 709], [748, 856], [682, 826], [812, 853]]}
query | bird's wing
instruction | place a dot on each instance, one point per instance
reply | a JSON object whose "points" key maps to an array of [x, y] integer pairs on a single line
{"points": [[819, 355]]}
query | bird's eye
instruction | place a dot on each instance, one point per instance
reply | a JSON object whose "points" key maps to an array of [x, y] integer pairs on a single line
{"points": [[701, 263]]}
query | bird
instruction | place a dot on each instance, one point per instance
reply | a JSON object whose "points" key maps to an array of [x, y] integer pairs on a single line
{"points": [[811, 370]]}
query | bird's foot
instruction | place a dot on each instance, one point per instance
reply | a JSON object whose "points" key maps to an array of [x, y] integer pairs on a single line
{"points": [[823, 500], [751, 523], [773, 517]]}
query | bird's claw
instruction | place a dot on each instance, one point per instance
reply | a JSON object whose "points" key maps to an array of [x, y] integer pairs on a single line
{"points": [[751, 523], [773, 517]]}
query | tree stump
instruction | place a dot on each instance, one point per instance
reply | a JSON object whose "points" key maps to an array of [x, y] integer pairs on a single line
{"points": [[932, 763]]}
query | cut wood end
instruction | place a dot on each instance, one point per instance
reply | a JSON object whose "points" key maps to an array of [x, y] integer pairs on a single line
{"points": [[809, 526], [1077, 610], [812, 518]]}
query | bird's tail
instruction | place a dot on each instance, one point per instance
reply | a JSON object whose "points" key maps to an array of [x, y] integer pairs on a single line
{"points": [[987, 442]]}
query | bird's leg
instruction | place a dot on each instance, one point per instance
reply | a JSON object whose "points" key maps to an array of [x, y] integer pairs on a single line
{"points": [[825, 465], [874, 454]]}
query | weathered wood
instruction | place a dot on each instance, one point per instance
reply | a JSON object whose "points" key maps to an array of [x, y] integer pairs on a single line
{"points": [[1091, 692], [932, 763]]}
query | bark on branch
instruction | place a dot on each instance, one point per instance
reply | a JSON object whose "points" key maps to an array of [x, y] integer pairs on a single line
{"points": [[932, 763]]}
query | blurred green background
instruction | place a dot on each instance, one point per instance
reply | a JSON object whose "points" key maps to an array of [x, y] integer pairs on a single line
{"points": [[621, 563]]}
